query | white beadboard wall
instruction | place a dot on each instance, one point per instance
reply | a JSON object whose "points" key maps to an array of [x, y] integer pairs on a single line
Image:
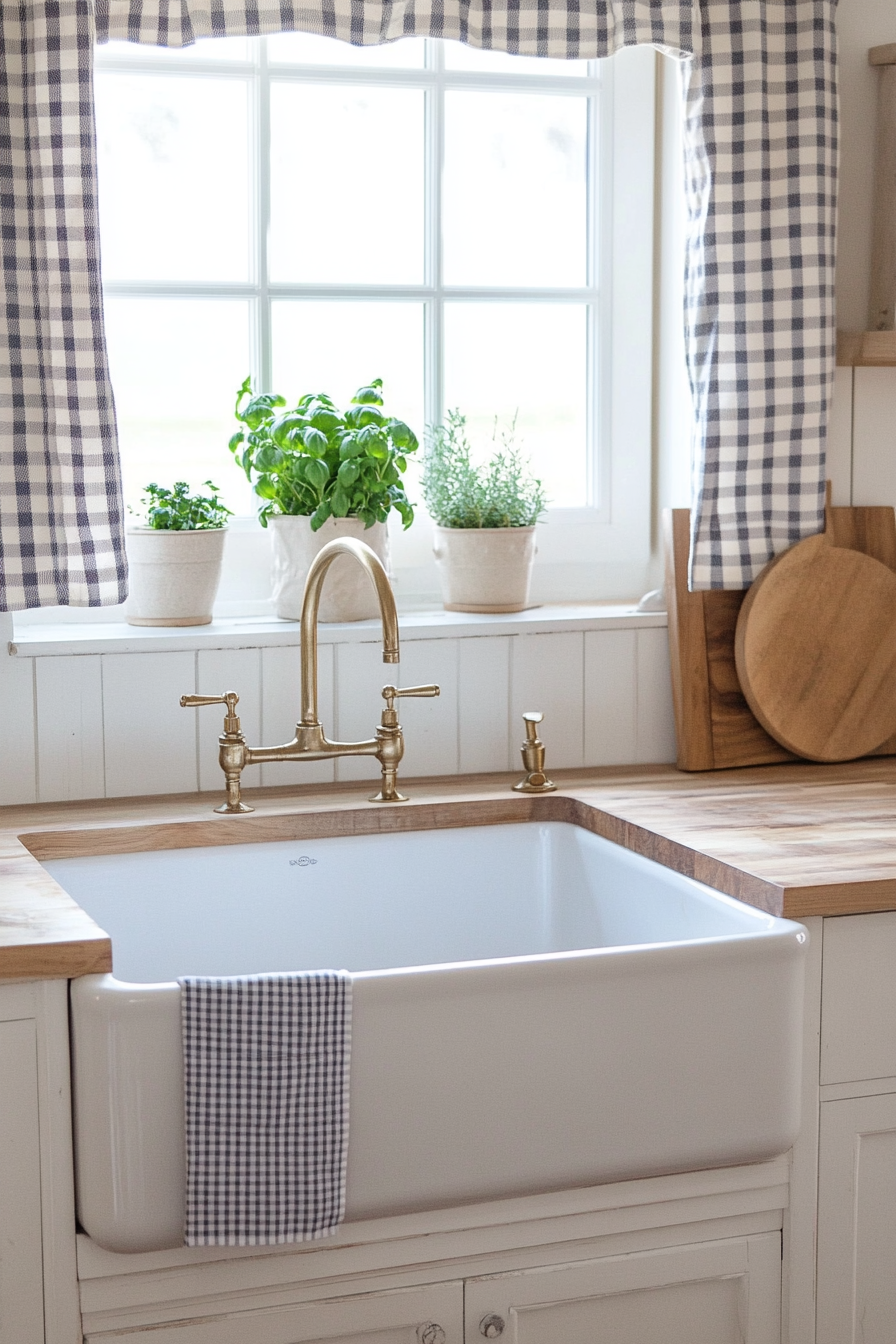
{"points": [[94, 724], [90, 725]]}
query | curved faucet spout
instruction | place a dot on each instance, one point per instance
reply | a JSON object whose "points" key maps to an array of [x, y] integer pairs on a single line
{"points": [[372, 565]]}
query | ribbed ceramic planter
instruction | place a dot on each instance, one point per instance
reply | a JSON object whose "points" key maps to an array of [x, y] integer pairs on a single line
{"points": [[173, 576], [485, 568], [348, 594]]}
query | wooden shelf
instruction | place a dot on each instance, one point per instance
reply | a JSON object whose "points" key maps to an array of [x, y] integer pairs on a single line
{"points": [[866, 349]]}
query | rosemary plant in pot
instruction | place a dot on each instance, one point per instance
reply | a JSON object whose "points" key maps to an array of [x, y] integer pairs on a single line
{"points": [[174, 559], [485, 519], [321, 473]]}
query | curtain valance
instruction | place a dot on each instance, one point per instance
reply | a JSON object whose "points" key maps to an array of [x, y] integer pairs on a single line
{"points": [[760, 168]]}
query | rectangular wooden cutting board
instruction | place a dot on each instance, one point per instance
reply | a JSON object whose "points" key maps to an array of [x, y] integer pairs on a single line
{"points": [[714, 726]]}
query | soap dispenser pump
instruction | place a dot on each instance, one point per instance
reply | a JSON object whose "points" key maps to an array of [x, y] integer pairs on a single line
{"points": [[535, 781]]}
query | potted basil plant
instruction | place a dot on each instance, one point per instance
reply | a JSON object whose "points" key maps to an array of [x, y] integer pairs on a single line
{"points": [[321, 473], [174, 559], [485, 516]]}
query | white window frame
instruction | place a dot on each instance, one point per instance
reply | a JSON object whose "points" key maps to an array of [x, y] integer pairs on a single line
{"points": [[597, 552]]}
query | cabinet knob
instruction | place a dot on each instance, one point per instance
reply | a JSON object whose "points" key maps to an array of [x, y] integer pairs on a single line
{"points": [[491, 1326], [430, 1333]]}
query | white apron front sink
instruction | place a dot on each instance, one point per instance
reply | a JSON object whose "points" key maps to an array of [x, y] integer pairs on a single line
{"points": [[535, 1008]]}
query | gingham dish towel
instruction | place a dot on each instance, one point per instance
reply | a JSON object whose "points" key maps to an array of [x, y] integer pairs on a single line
{"points": [[266, 1074]]}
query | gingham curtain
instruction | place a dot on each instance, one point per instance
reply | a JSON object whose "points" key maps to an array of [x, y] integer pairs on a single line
{"points": [[760, 167]]}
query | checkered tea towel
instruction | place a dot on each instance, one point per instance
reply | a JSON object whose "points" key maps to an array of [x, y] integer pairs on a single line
{"points": [[266, 1073]]}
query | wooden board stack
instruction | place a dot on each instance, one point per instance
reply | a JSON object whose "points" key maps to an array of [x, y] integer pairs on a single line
{"points": [[715, 727]]}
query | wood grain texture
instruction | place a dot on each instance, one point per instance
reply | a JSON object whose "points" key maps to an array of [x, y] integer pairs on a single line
{"points": [[794, 839], [815, 649], [715, 726], [713, 722], [866, 349], [687, 649]]}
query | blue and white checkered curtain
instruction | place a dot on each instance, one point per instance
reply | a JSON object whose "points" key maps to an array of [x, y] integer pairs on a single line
{"points": [[61, 525], [760, 166]]}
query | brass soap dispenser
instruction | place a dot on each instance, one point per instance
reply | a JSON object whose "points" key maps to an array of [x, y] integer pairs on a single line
{"points": [[536, 781]]}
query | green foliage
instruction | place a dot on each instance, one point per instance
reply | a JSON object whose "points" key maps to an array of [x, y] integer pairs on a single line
{"points": [[499, 493], [178, 511], [313, 460]]}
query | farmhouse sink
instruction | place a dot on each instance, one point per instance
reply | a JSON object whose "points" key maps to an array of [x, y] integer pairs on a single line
{"points": [[535, 1008]]}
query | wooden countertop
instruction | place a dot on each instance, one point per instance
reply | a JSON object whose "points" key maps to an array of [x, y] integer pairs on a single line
{"points": [[795, 839]]}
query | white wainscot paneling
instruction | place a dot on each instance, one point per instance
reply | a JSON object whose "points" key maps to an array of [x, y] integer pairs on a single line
{"points": [[484, 705], [430, 726], [217, 671], [839, 443], [610, 696], [547, 674], [431, 737], [150, 742], [361, 675], [655, 719], [69, 728], [281, 709], [874, 437], [18, 781]]}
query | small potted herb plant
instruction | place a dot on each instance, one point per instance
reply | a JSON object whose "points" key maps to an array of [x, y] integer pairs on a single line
{"points": [[321, 473], [485, 519], [174, 559]]}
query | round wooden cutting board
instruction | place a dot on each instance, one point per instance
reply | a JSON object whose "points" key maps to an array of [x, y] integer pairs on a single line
{"points": [[815, 649]]}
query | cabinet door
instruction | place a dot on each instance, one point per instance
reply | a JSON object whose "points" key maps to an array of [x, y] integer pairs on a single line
{"points": [[726, 1292], [856, 1296], [428, 1315], [21, 1275]]}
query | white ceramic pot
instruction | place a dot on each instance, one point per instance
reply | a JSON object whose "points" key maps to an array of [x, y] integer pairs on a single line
{"points": [[485, 568], [348, 594], [174, 576]]}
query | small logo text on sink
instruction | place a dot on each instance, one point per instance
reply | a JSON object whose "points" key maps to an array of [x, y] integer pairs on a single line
{"points": [[304, 861]]}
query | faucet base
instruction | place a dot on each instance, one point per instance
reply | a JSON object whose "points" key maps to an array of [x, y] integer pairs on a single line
{"points": [[536, 782], [393, 797], [230, 808]]}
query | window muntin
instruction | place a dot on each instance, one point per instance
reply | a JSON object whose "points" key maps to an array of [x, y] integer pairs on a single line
{"points": [[462, 270]]}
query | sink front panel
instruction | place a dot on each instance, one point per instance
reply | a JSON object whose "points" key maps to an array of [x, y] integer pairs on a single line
{"points": [[535, 1008]]}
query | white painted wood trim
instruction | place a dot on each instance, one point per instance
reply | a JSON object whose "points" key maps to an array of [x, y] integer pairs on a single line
{"points": [[54, 641]]}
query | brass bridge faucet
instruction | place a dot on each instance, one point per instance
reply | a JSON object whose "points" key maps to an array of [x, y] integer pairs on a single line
{"points": [[310, 743]]}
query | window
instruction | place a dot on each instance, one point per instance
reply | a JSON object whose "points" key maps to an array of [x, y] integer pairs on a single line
{"points": [[422, 212]]}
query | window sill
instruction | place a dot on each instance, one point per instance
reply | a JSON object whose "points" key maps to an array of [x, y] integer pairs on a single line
{"points": [[248, 632]]}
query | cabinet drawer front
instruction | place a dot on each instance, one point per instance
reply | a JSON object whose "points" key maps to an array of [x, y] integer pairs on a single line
{"points": [[397, 1317], [725, 1292], [858, 997]]}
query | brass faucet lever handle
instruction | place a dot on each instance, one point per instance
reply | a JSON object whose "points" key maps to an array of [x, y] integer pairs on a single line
{"points": [[232, 754], [391, 693]]}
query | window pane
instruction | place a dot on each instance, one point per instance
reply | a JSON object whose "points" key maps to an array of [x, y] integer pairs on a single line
{"points": [[307, 49], [206, 49], [459, 56], [173, 177], [346, 184], [527, 360], [515, 208], [176, 366], [338, 347]]}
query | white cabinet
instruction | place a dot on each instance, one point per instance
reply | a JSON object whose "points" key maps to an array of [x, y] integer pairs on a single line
{"points": [[856, 1295], [725, 1292], [429, 1315], [855, 1283], [21, 1277], [38, 1283]]}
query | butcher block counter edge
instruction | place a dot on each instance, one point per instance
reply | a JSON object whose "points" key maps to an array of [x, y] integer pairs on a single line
{"points": [[794, 840]]}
